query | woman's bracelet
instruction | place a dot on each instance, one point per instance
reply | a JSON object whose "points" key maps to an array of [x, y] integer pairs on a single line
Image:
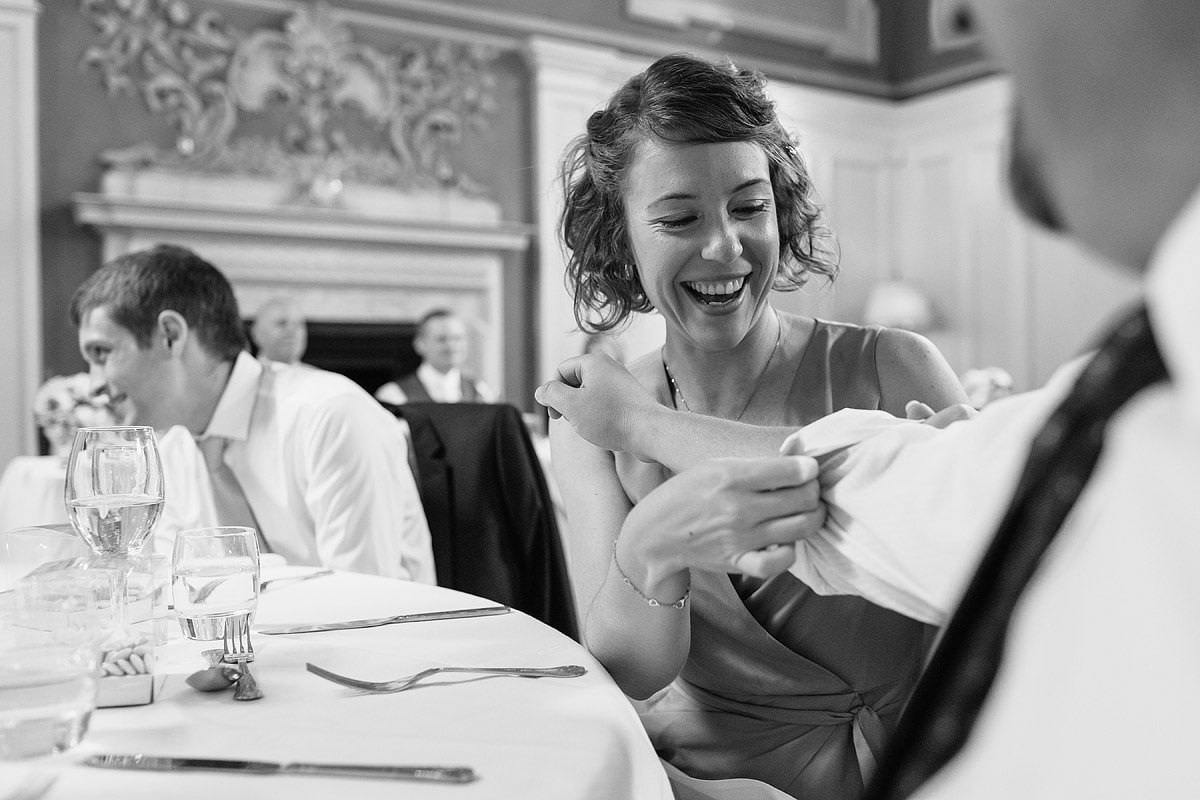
{"points": [[680, 603]]}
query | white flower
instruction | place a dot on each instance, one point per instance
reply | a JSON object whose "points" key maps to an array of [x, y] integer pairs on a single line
{"points": [[64, 403]]}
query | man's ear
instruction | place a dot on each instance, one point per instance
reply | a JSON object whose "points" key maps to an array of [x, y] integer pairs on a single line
{"points": [[174, 330]]}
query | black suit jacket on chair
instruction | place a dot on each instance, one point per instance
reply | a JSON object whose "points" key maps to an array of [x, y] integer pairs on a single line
{"points": [[488, 507]]}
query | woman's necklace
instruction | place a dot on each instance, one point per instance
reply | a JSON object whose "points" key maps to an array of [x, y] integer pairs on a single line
{"points": [[677, 398]]}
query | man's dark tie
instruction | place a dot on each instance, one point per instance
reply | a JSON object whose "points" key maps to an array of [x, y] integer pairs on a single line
{"points": [[231, 504], [946, 702]]}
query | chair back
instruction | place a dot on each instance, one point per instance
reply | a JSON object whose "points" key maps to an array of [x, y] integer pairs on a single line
{"points": [[489, 508]]}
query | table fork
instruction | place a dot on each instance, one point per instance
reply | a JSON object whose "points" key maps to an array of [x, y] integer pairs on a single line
{"points": [[399, 685], [240, 651]]}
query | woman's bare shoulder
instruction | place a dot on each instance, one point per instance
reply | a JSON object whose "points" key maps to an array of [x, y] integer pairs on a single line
{"points": [[648, 369], [912, 368]]}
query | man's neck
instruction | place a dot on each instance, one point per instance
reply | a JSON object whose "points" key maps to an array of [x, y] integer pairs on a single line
{"points": [[206, 386], [439, 370]]}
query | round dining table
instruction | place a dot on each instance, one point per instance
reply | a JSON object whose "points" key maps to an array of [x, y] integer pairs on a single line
{"points": [[528, 738]]}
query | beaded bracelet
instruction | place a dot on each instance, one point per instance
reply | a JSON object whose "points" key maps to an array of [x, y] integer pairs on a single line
{"points": [[680, 603]]}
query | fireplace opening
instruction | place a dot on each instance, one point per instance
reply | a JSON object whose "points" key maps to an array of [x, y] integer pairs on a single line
{"points": [[368, 353]]}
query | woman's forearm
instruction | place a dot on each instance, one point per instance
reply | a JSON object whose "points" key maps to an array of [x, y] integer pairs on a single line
{"points": [[642, 646], [679, 440]]}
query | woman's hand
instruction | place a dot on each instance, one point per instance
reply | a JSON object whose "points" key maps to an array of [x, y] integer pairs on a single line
{"points": [[916, 410], [600, 398], [723, 515]]}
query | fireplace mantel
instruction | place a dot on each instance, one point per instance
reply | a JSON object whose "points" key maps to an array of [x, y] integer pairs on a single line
{"points": [[379, 255]]}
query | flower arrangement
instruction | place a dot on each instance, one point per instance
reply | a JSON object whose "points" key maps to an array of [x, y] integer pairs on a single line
{"points": [[65, 403]]}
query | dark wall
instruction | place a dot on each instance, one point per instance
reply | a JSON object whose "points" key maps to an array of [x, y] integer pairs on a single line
{"points": [[907, 50], [76, 123]]}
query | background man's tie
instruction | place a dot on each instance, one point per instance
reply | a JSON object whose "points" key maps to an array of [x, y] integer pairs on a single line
{"points": [[230, 500], [946, 702]]}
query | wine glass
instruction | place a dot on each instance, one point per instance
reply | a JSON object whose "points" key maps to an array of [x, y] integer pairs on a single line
{"points": [[114, 489], [214, 579], [114, 497]]}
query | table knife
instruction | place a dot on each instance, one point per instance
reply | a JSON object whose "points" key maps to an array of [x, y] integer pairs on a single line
{"points": [[171, 764], [373, 623]]}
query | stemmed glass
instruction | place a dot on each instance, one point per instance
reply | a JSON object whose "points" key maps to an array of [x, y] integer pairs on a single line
{"points": [[215, 579], [114, 497]]}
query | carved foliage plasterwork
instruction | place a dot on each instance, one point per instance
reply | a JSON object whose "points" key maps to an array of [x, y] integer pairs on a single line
{"points": [[200, 73]]}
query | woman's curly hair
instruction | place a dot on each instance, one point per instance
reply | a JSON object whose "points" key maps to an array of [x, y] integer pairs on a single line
{"points": [[685, 100]]}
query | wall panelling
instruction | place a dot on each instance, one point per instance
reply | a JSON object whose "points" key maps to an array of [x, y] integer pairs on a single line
{"points": [[20, 264]]}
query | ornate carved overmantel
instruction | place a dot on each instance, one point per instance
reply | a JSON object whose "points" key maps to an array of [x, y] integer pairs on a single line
{"points": [[408, 105], [377, 226]]}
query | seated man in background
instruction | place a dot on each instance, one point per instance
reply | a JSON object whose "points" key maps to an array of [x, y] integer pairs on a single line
{"points": [[279, 331], [441, 342], [303, 455]]}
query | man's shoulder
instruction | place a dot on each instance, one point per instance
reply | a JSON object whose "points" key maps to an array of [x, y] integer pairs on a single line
{"points": [[408, 379], [309, 387], [310, 376]]}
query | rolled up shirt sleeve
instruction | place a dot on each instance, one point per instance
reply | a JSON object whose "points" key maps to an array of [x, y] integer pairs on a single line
{"points": [[911, 508]]}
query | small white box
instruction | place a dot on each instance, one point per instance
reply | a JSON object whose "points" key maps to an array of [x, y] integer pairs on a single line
{"points": [[128, 690], [126, 668]]}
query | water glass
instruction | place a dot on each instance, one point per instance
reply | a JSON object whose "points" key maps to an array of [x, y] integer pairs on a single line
{"points": [[49, 663], [47, 694], [61, 605], [39, 546], [148, 596], [214, 577]]}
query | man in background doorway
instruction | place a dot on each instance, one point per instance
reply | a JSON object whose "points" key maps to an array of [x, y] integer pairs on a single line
{"points": [[441, 342], [280, 331]]}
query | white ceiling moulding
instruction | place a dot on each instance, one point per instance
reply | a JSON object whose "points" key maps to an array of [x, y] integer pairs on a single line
{"points": [[846, 29]]}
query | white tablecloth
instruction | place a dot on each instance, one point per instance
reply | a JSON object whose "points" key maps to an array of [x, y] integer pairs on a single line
{"points": [[545, 738], [31, 492]]}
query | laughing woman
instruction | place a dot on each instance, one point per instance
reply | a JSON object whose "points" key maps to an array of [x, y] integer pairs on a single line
{"points": [[687, 197]]}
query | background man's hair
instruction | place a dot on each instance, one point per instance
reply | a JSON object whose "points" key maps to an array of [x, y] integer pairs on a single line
{"points": [[431, 315]]}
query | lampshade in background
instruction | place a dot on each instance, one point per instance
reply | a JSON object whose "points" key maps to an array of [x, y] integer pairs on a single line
{"points": [[895, 303]]}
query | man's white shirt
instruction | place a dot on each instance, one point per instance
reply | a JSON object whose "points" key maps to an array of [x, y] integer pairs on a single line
{"points": [[1099, 690], [324, 467]]}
